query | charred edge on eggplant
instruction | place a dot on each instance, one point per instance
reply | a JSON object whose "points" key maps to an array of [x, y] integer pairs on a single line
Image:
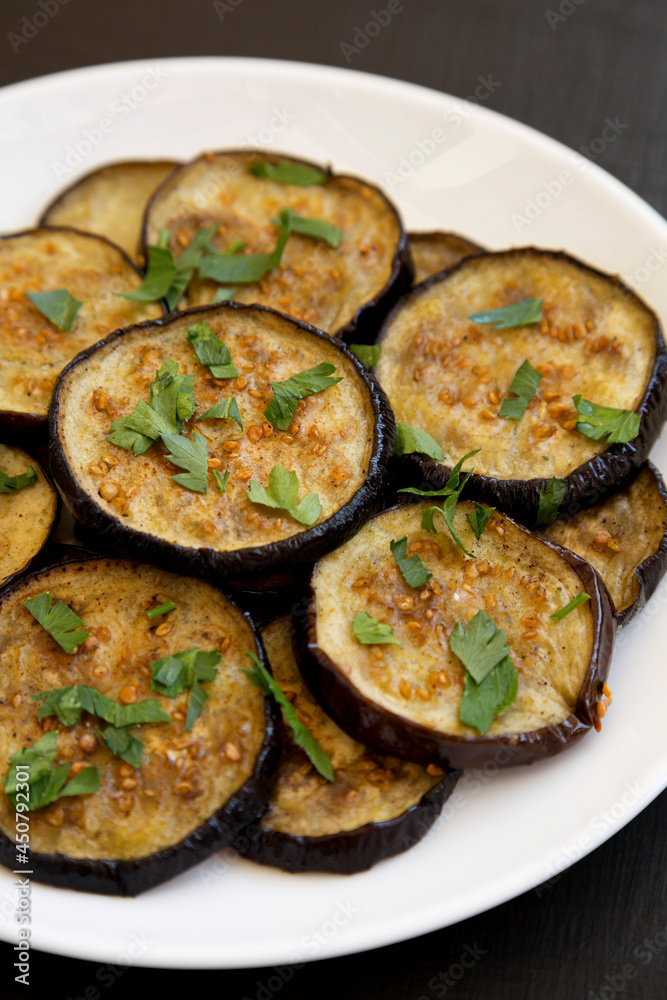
{"points": [[590, 483], [350, 849], [23, 427], [438, 251], [129, 877], [364, 324], [387, 731], [64, 205], [242, 565], [648, 572]]}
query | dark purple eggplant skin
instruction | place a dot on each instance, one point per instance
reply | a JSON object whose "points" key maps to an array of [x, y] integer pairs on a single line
{"points": [[651, 571], [131, 877], [30, 430], [364, 325], [383, 730], [242, 567], [590, 483], [349, 851]]}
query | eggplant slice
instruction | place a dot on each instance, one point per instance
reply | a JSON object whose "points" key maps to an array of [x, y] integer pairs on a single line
{"points": [[406, 700], [378, 806], [193, 791], [33, 350], [339, 446], [624, 538], [438, 251], [448, 376], [346, 291], [27, 517], [110, 201]]}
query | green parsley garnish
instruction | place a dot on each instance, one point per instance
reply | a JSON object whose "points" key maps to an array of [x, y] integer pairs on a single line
{"points": [[261, 678], [574, 603], [58, 306], [413, 569], [524, 386], [371, 632], [67, 703], [318, 229], [167, 278], [286, 394], [12, 484], [211, 351], [59, 620], [369, 354], [171, 403], [452, 491], [187, 669], [221, 480], [190, 455], [223, 294], [161, 609], [283, 494], [224, 409], [285, 172], [45, 782], [413, 439], [618, 426], [233, 269], [123, 744], [550, 498], [491, 679], [479, 519], [523, 313]]}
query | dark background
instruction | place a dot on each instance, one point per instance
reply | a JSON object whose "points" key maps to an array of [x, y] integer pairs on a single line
{"points": [[565, 65]]}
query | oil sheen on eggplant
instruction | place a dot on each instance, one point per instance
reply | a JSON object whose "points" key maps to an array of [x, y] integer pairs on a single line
{"points": [[33, 350], [338, 445], [624, 538], [438, 251], [448, 375], [27, 517], [345, 291], [406, 700], [377, 807], [110, 201], [192, 791]]}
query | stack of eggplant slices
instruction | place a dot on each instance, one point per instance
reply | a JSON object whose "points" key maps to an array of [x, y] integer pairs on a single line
{"points": [[354, 510]]}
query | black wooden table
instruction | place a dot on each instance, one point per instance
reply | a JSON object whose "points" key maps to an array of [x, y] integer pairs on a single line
{"points": [[600, 930]]}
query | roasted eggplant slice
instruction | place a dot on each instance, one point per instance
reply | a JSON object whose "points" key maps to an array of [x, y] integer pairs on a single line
{"points": [[27, 514], [33, 350], [407, 699], [188, 792], [338, 446], [438, 251], [345, 290], [624, 538], [377, 807], [110, 201], [449, 376]]}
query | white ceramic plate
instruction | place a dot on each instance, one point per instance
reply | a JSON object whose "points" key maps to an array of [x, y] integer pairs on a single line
{"points": [[501, 834]]}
